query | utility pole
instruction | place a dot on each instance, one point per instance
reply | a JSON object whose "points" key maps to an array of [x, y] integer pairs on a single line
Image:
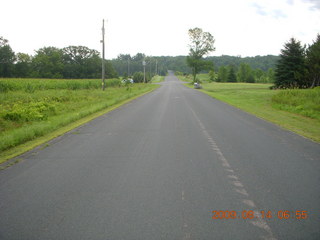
{"points": [[144, 71], [128, 67], [156, 67], [103, 61], [150, 66]]}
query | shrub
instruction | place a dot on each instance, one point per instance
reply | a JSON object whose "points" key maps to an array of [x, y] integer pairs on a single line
{"points": [[138, 77], [33, 111]]}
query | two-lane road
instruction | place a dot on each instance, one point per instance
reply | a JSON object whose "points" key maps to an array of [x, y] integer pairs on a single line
{"points": [[157, 168]]}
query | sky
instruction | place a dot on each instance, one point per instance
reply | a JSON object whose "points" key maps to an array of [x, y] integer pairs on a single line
{"points": [[159, 28]]}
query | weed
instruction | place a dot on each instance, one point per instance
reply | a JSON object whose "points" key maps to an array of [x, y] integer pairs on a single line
{"points": [[296, 110], [51, 104], [305, 102]]}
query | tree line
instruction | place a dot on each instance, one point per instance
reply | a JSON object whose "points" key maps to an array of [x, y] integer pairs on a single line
{"points": [[242, 73], [75, 62], [51, 62], [261, 68], [298, 66], [82, 62], [237, 73], [129, 66]]}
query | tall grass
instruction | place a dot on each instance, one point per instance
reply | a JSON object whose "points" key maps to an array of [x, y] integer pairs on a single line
{"points": [[31, 85], [26, 115], [157, 79], [296, 110], [305, 102]]}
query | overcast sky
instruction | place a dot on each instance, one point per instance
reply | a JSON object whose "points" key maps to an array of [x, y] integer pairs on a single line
{"points": [[240, 27]]}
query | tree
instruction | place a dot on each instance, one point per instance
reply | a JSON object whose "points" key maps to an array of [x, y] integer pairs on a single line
{"points": [[3, 42], [81, 62], [232, 75], [260, 76], [212, 75], [270, 75], [124, 57], [110, 71], [138, 77], [222, 74], [313, 63], [7, 58], [23, 65], [139, 57], [48, 63], [245, 73], [291, 68], [79, 54], [201, 44]]}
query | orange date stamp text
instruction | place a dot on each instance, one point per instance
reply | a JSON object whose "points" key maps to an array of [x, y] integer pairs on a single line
{"points": [[250, 214]]}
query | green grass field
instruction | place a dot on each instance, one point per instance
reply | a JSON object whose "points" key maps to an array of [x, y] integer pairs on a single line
{"points": [[31, 108], [157, 79], [202, 77], [295, 110]]}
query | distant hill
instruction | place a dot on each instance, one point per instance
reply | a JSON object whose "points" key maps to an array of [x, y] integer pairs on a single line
{"points": [[257, 62], [178, 63]]}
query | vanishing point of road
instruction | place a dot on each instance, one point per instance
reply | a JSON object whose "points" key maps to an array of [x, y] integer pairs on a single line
{"points": [[173, 164]]}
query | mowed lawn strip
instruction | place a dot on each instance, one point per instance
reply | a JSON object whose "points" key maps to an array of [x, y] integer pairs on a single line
{"points": [[259, 100], [30, 118]]}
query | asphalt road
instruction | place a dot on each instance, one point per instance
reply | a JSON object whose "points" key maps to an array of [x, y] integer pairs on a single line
{"points": [[157, 168]]}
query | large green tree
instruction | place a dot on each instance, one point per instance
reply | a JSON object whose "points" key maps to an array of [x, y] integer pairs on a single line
{"points": [[291, 68], [7, 58], [245, 73], [201, 44], [232, 74], [48, 63], [313, 63], [23, 65], [222, 74], [81, 62]]}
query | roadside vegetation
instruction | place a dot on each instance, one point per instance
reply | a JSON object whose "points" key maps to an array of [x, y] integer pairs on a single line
{"points": [[293, 104], [80, 62], [157, 79], [305, 102], [201, 43], [31, 108], [297, 110]]}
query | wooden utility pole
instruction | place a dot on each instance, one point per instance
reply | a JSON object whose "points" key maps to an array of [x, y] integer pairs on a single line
{"points": [[156, 67], [144, 70], [103, 61]]}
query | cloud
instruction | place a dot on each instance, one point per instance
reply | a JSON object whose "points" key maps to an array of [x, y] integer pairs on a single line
{"points": [[270, 11], [259, 9], [315, 4], [278, 14], [290, 2]]}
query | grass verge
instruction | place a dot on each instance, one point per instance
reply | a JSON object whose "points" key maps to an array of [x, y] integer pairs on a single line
{"points": [[157, 79], [28, 120], [295, 110]]}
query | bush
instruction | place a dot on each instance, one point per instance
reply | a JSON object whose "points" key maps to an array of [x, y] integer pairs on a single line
{"points": [[138, 77], [33, 111], [213, 76]]}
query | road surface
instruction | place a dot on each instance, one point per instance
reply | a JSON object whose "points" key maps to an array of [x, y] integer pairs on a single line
{"points": [[158, 168]]}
